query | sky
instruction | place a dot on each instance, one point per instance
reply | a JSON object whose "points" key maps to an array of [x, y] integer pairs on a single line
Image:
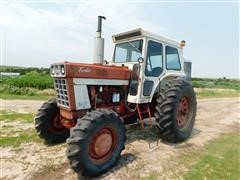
{"points": [[39, 33]]}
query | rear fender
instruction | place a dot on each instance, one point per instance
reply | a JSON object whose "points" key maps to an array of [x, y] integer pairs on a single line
{"points": [[163, 81]]}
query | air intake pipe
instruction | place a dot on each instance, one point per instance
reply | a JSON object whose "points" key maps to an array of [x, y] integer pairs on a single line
{"points": [[98, 53]]}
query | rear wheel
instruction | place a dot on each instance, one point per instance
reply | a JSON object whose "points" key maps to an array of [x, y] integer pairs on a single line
{"points": [[175, 111], [96, 142], [48, 123]]}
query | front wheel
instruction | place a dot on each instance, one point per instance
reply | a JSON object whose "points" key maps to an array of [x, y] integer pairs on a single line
{"points": [[96, 142], [48, 123], [175, 111]]}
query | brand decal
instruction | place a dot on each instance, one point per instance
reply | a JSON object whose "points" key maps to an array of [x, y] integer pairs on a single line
{"points": [[84, 70]]}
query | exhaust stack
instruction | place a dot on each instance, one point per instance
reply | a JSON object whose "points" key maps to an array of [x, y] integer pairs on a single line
{"points": [[98, 53]]}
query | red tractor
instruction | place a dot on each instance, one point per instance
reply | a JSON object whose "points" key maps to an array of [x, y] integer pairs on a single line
{"points": [[146, 78]]}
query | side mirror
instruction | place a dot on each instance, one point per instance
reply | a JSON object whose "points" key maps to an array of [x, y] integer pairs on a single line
{"points": [[140, 60]]}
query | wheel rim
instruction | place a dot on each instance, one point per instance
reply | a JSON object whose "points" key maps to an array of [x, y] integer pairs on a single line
{"points": [[102, 144], [183, 112]]}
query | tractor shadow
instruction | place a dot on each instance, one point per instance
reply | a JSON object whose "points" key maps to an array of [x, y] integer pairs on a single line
{"points": [[151, 135], [195, 132], [148, 134], [135, 133], [124, 160]]}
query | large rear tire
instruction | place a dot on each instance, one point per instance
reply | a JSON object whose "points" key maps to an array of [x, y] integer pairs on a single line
{"points": [[48, 123], [175, 111], [96, 142]]}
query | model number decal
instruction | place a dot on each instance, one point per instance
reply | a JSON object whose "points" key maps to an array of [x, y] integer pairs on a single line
{"points": [[84, 70]]}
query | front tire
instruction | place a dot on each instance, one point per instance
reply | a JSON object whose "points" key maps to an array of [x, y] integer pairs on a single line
{"points": [[96, 142], [48, 123], [175, 111]]}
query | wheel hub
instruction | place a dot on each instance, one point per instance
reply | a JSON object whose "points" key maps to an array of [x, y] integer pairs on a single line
{"points": [[56, 123], [182, 112], [102, 144]]}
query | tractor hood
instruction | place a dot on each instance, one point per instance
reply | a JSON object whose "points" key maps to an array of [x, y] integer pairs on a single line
{"points": [[93, 71]]}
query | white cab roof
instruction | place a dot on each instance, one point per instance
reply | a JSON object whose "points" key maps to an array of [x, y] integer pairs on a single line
{"points": [[137, 33]]}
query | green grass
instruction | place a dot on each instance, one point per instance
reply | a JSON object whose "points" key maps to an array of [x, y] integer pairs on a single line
{"points": [[16, 141], [152, 176], [216, 93], [7, 126], [219, 159], [11, 116], [209, 87], [216, 83], [11, 135], [25, 97]]}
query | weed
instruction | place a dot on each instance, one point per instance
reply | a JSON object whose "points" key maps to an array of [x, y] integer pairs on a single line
{"points": [[16, 141], [9, 115]]}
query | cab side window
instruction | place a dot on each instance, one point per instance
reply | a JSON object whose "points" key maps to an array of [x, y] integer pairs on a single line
{"points": [[172, 59], [154, 59]]}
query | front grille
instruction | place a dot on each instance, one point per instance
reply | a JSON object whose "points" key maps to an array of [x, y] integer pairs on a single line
{"points": [[61, 91]]}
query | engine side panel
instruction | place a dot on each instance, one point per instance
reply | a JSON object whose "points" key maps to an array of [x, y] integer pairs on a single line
{"points": [[81, 97]]}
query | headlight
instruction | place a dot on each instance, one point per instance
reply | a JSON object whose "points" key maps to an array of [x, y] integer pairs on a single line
{"points": [[58, 70], [62, 69]]}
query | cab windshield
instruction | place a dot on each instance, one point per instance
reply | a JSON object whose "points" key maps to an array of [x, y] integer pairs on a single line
{"points": [[128, 51]]}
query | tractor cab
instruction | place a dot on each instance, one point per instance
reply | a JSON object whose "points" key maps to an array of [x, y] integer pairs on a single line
{"points": [[152, 58]]}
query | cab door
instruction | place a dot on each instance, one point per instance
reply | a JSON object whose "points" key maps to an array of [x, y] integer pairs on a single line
{"points": [[153, 69]]}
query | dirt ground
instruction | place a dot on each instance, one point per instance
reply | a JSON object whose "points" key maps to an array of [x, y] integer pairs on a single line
{"points": [[144, 151]]}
